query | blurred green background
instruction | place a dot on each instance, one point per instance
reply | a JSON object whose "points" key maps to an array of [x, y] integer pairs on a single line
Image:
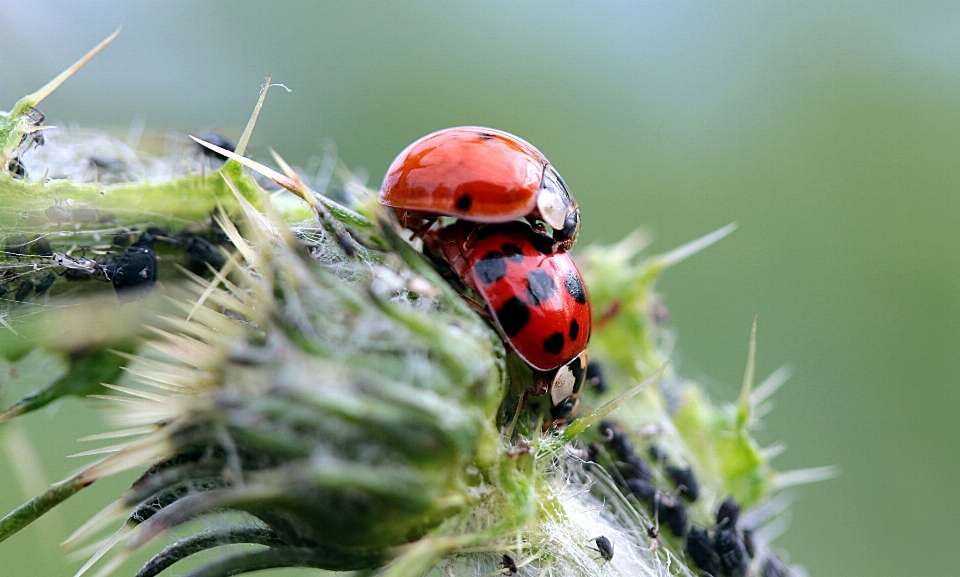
{"points": [[829, 130]]}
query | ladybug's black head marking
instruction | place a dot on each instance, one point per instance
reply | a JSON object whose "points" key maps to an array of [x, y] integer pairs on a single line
{"points": [[540, 287], [573, 285], [491, 268], [513, 316], [512, 252]]}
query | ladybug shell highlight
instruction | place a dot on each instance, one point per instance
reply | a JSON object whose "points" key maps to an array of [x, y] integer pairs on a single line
{"points": [[536, 297], [481, 175]]}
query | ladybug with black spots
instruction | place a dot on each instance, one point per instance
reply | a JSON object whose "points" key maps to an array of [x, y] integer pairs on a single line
{"points": [[480, 175], [535, 297]]}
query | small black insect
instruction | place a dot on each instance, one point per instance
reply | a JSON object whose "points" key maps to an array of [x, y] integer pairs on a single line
{"points": [[45, 283], [700, 549], [16, 246], [24, 291], [672, 513], [642, 489], [202, 252], [42, 247], [657, 453], [616, 440], [729, 547], [634, 467], [216, 140], [748, 543], [772, 566], [36, 119], [595, 377], [134, 272], [729, 512], [16, 168], [509, 564], [604, 547], [686, 482]]}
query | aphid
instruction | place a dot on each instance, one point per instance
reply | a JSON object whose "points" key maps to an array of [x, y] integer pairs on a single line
{"points": [[16, 246], [748, 543], [535, 297], [685, 480], [657, 453], [16, 168], [729, 547], [509, 565], [616, 440], [595, 377], [45, 283], [672, 513], [24, 291], [134, 272], [633, 467], [700, 549], [217, 140], [604, 547], [41, 247], [480, 175], [203, 252], [729, 512], [642, 489], [772, 566], [36, 119]]}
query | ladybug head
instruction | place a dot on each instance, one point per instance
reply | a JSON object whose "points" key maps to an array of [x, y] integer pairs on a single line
{"points": [[565, 386], [558, 208], [564, 237]]}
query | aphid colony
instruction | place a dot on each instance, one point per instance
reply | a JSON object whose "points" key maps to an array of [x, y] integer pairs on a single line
{"points": [[530, 286], [723, 549]]}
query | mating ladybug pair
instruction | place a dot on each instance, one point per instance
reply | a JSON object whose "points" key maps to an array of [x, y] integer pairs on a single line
{"points": [[489, 180]]}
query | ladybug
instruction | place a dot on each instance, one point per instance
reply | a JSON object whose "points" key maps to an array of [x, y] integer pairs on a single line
{"points": [[481, 175], [535, 296]]}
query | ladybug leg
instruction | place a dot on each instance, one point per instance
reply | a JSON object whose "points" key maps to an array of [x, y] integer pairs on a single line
{"points": [[415, 222]]}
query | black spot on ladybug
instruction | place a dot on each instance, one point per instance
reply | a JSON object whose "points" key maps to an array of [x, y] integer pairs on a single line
{"points": [[554, 343], [573, 285], [513, 316], [464, 202], [512, 252], [491, 268], [540, 287], [485, 136], [574, 329]]}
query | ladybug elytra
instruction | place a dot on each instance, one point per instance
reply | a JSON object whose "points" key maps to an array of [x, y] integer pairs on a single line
{"points": [[481, 175], [535, 296]]}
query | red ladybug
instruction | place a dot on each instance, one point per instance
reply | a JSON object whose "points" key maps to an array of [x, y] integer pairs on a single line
{"points": [[534, 294], [480, 175]]}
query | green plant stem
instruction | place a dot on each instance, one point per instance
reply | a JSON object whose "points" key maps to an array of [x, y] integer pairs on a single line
{"points": [[36, 507]]}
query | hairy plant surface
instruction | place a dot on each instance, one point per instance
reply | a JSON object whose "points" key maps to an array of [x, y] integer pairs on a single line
{"points": [[290, 368]]}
